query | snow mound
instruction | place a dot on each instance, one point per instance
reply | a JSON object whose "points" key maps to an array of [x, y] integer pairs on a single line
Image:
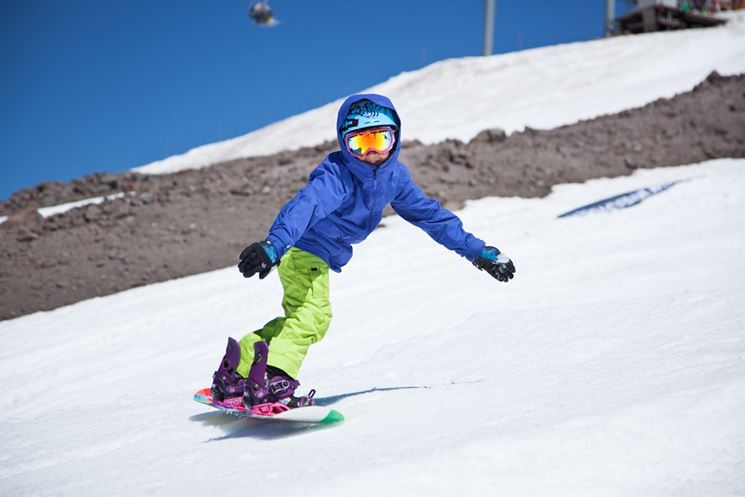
{"points": [[541, 88], [611, 365]]}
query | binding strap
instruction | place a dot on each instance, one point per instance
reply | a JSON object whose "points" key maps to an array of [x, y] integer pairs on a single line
{"points": [[269, 409]]}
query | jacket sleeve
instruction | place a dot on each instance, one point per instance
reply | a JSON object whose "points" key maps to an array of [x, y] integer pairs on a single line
{"points": [[442, 225], [322, 195]]}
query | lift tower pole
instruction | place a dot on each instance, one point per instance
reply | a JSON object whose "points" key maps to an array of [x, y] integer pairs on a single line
{"points": [[610, 15], [490, 8]]}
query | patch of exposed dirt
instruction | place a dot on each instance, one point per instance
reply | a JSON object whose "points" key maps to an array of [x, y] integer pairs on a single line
{"points": [[175, 225]]}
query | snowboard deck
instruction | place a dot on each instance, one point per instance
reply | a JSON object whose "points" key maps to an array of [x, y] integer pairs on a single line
{"points": [[308, 414]]}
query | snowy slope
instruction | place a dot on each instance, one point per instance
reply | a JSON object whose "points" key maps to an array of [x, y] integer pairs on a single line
{"points": [[611, 366], [541, 88]]}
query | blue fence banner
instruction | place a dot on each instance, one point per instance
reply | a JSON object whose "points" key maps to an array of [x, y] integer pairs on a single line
{"points": [[622, 201]]}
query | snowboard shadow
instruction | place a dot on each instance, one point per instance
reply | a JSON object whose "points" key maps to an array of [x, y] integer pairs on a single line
{"points": [[241, 427], [333, 399], [213, 418]]}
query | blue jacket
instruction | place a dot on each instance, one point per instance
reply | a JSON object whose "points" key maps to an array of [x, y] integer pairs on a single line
{"points": [[344, 199]]}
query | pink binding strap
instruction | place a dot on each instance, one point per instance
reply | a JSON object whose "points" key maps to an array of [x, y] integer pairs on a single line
{"points": [[230, 403], [269, 409]]}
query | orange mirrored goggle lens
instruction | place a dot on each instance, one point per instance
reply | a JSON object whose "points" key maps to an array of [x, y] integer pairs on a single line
{"points": [[380, 140]]}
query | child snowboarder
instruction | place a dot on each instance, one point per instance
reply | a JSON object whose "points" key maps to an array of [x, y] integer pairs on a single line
{"points": [[341, 205]]}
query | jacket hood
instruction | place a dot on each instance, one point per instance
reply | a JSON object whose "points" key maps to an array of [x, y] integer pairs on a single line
{"points": [[360, 168]]}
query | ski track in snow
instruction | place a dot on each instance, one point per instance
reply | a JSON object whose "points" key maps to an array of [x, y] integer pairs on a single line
{"points": [[541, 88], [611, 366]]}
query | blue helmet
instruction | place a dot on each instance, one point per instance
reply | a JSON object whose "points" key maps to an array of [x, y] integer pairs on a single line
{"points": [[367, 114]]}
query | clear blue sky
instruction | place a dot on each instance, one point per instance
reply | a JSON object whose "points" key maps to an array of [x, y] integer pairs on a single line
{"points": [[103, 85]]}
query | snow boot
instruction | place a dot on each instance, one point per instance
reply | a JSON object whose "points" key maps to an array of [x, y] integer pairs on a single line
{"points": [[282, 386], [226, 383], [269, 390]]}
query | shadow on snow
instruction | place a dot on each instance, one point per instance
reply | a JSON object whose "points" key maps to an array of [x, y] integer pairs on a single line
{"points": [[238, 426]]}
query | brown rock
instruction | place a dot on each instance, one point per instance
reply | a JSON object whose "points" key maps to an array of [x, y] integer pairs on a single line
{"points": [[25, 235], [92, 213], [494, 135], [26, 217]]}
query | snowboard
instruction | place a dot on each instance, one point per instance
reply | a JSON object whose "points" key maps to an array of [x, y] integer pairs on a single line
{"points": [[308, 414]]}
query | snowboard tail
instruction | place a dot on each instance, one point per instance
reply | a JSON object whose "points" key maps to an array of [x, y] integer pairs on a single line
{"points": [[307, 414]]}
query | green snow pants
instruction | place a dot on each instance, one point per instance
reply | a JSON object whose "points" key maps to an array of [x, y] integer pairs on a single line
{"points": [[305, 279]]}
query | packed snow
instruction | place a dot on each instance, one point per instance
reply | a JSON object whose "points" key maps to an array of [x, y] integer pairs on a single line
{"points": [[612, 365], [541, 88]]}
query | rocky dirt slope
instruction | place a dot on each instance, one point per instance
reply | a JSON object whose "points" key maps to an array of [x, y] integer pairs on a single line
{"points": [[194, 221]]}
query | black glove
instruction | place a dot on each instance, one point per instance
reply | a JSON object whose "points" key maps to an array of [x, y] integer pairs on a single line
{"points": [[495, 263], [258, 257]]}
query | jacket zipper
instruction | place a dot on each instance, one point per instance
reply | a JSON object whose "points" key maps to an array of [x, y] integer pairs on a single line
{"points": [[372, 211]]}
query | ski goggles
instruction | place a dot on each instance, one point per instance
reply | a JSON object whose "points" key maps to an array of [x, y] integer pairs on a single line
{"points": [[380, 140]]}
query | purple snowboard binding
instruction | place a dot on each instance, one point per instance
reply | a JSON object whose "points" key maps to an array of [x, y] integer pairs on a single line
{"points": [[226, 383], [269, 390]]}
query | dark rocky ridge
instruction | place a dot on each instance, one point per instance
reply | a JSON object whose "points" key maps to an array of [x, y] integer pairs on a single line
{"points": [[174, 225]]}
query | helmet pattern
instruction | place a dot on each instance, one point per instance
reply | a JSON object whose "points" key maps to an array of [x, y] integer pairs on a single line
{"points": [[367, 114]]}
